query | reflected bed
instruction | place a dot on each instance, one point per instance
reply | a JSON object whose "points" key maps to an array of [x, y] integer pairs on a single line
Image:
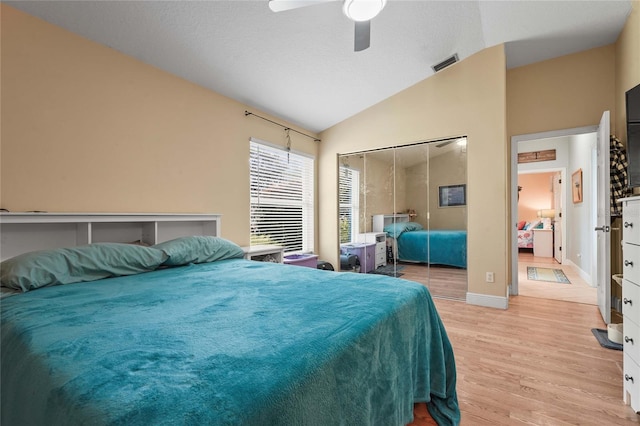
{"points": [[435, 247], [411, 243]]}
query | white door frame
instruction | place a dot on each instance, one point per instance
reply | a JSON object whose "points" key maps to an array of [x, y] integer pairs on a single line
{"points": [[513, 286], [603, 224]]}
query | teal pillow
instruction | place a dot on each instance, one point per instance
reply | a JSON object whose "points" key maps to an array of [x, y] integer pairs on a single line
{"points": [[395, 229], [198, 249], [92, 262]]}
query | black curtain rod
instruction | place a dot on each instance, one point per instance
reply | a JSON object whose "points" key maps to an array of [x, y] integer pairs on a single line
{"points": [[247, 113]]}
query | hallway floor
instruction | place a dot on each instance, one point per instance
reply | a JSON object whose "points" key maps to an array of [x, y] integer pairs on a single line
{"points": [[578, 291]]}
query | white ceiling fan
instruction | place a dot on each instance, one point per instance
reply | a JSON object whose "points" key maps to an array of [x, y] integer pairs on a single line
{"points": [[361, 12]]}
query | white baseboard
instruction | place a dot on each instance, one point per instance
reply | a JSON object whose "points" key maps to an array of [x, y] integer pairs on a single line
{"points": [[586, 277], [488, 301]]}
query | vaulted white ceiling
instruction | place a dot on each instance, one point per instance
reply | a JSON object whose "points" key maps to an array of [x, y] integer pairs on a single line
{"points": [[299, 65]]}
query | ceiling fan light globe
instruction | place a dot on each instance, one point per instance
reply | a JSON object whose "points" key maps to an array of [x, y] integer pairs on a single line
{"points": [[362, 10]]}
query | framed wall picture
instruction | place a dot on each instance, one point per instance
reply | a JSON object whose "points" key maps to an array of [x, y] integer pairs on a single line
{"points": [[452, 195], [576, 186]]}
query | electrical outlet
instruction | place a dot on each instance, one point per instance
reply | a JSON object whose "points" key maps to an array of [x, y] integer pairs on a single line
{"points": [[490, 277]]}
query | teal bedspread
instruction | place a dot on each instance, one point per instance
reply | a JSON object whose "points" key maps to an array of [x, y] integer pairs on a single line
{"points": [[233, 342], [436, 247]]}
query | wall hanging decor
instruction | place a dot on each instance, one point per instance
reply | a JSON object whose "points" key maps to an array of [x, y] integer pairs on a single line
{"points": [[532, 157], [452, 195], [576, 186]]}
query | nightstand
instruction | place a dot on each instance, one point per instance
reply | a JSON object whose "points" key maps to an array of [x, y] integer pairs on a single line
{"points": [[543, 242], [380, 240], [264, 253]]}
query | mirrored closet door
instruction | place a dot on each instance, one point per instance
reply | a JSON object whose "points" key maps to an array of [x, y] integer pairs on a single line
{"points": [[403, 213]]}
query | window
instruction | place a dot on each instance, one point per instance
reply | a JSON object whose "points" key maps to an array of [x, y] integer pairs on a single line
{"points": [[349, 204], [281, 198]]}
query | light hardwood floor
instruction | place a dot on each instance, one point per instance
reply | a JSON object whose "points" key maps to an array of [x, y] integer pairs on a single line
{"points": [[578, 291], [536, 363], [442, 281], [451, 283]]}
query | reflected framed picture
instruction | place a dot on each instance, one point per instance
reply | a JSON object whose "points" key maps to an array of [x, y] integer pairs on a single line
{"points": [[576, 186], [452, 195]]}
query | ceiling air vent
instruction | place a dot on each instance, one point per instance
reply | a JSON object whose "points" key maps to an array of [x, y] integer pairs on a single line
{"points": [[449, 61]]}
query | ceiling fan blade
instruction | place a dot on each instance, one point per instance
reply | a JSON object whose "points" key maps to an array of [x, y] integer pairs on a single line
{"points": [[362, 36], [282, 5]]}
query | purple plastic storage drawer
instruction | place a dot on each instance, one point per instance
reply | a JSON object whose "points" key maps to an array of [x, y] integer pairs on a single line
{"points": [[308, 260], [366, 252]]}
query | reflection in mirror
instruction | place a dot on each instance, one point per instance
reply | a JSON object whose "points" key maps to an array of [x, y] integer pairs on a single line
{"points": [[403, 213], [350, 197]]}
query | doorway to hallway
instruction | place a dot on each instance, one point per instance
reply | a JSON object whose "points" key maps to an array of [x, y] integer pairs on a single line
{"points": [[573, 150]]}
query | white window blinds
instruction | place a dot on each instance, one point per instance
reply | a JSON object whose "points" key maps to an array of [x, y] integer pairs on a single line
{"points": [[349, 196], [281, 198]]}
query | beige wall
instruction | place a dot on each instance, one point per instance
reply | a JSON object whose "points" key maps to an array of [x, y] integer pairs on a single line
{"points": [[381, 183], [627, 62], [562, 93], [88, 129], [418, 192], [466, 99], [422, 183]]}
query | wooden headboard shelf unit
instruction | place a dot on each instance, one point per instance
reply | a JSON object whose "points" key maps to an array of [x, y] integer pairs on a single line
{"points": [[24, 232], [382, 220]]}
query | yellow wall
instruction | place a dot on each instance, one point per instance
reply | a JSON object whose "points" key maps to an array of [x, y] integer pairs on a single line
{"points": [[378, 180], [422, 184], [627, 66], [574, 90], [88, 129], [467, 98], [562, 93]]}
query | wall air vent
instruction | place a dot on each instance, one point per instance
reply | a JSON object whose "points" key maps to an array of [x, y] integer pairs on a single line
{"points": [[449, 61]]}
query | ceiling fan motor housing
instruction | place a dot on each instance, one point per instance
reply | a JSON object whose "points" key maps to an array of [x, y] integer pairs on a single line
{"points": [[362, 10]]}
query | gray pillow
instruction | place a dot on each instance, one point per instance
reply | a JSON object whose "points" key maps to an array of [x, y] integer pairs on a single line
{"points": [[76, 264], [198, 249]]}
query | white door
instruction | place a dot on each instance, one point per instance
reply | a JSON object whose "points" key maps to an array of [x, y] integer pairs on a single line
{"points": [[557, 220], [603, 221]]}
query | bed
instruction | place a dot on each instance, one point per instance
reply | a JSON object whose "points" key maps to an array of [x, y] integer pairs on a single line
{"points": [[188, 332], [525, 233], [411, 243], [525, 238]]}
